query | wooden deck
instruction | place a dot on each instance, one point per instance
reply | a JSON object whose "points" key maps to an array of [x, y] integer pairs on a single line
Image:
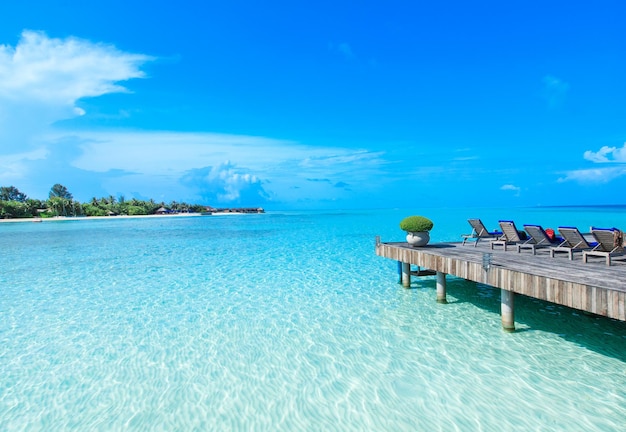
{"points": [[592, 287]]}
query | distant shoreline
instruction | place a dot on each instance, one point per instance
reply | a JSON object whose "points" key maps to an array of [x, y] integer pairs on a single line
{"points": [[80, 218]]}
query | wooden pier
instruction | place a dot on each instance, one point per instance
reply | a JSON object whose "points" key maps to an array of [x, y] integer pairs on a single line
{"points": [[592, 287]]}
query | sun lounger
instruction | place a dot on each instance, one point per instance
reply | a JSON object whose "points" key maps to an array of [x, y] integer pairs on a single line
{"points": [[538, 238], [573, 241], [610, 243], [479, 232], [510, 235]]}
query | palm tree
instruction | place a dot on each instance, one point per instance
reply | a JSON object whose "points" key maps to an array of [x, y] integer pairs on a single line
{"points": [[77, 208], [54, 204], [64, 204]]}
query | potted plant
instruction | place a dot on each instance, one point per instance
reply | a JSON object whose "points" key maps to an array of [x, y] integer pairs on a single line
{"points": [[417, 229]]}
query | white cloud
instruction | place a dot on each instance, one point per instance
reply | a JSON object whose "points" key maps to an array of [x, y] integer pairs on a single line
{"points": [[215, 167], [152, 152], [226, 183], [510, 187], [13, 167], [607, 154], [233, 182], [594, 175], [42, 78], [63, 70]]}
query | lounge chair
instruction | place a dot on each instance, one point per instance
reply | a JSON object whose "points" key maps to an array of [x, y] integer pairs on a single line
{"points": [[573, 241], [510, 235], [538, 238], [479, 232], [610, 243]]}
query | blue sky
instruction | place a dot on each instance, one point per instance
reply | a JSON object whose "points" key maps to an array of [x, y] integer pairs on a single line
{"points": [[301, 105]]}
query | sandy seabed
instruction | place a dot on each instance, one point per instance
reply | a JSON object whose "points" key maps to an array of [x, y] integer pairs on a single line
{"points": [[78, 218]]}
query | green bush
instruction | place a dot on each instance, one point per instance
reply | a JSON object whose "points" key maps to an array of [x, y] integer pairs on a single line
{"points": [[416, 224], [135, 210]]}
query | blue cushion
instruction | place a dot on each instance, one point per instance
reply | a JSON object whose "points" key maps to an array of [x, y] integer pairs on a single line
{"points": [[604, 229]]}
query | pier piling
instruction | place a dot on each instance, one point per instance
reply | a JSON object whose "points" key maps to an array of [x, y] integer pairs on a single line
{"points": [[406, 274], [441, 288], [507, 308]]}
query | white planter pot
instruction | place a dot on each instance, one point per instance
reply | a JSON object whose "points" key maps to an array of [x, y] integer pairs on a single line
{"points": [[417, 239]]}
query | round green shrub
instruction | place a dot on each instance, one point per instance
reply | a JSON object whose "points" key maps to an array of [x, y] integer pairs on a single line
{"points": [[416, 224]]}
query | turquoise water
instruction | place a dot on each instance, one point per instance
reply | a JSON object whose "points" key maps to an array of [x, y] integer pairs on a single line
{"points": [[286, 321]]}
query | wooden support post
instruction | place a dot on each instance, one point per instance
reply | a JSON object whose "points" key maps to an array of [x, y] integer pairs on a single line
{"points": [[441, 288], [406, 275], [399, 272], [507, 303]]}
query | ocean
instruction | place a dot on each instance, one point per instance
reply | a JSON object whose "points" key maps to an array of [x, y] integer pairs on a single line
{"points": [[287, 321]]}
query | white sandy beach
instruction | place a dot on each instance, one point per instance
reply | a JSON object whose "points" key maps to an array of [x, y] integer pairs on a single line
{"points": [[78, 218]]}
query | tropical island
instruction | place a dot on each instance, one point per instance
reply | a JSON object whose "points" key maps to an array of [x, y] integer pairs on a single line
{"points": [[15, 204]]}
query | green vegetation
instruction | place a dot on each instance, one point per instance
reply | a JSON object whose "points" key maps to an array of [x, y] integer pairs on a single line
{"points": [[60, 202], [416, 224], [11, 193]]}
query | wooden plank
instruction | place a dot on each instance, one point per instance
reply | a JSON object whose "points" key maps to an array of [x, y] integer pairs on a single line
{"points": [[592, 287]]}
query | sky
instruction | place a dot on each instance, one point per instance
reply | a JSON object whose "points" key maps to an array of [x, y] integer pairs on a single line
{"points": [[316, 105]]}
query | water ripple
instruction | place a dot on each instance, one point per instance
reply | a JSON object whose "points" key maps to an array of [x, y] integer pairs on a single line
{"points": [[141, 325]]}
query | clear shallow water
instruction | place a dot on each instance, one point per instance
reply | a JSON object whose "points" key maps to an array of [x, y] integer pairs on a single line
{"points": [[286, 321]]}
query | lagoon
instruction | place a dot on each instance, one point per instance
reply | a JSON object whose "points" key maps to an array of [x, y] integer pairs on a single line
{"points": [[287, 321]]}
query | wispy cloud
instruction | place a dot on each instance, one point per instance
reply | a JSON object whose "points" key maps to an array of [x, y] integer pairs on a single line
{"points": [[13, 167], [42, 78], [555, 90], [594, 175], [154, 152], [343, 158], [344, 49]]}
